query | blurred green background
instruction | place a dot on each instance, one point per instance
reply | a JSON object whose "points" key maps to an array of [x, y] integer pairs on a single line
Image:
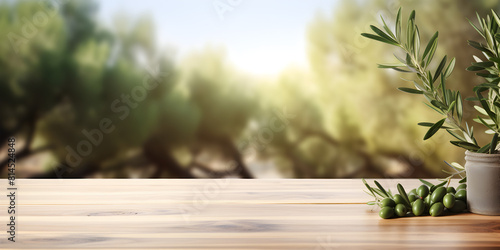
{"points": [[92, 96]]}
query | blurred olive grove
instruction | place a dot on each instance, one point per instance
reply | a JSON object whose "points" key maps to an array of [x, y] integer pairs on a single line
{"points": [[85, 100]]}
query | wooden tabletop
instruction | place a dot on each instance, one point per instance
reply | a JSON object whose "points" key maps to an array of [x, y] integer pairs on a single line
{"points": [[224, 214]]}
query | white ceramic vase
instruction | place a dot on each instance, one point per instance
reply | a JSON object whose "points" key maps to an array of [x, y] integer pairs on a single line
{"points": [[483, 183]]}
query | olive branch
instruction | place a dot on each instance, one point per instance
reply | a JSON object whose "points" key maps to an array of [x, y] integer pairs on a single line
{"points": [[432, 83]]}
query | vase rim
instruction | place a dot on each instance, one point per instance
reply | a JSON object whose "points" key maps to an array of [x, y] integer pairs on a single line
{"points": [[482, 157], [481, 154]]}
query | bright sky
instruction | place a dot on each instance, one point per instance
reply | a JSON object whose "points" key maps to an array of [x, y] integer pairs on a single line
{"points": [[260, 36]]}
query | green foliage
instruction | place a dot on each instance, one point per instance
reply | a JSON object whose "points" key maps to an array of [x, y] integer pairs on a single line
{"points": [[75, 73], [441, 99], [489, 70], [362, 108]]}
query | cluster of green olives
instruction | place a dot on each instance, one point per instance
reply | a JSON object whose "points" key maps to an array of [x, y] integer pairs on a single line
{"points": [[422, 201]]}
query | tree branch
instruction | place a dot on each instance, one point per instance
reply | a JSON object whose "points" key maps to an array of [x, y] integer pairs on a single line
{"points": [[156, 152], [209, 171], [241, 167]]}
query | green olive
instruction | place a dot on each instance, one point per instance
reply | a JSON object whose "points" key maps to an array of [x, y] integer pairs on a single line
{"points": [[462, 186], [418, 207], [387, 202], [451, 190], [438, 194], [400, 210], [423, 191], [459, 206], [386, 212], [461, 195], [399, 199], [412, 197], [413, 191], [449, 200], [436, 209], [428, 199]]}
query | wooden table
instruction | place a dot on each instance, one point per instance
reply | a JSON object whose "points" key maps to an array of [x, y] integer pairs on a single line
{"points": [[224, 214]]}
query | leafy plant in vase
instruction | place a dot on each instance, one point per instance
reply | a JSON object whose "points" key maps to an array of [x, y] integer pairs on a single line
{"points": [[482, 161]]}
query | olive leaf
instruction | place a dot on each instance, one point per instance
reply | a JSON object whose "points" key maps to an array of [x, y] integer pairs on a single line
{"points": [[426, 183], [434, 128], [398, 24], [431, 48], [485, 148], [494, 143], [410, 90], [429, 124], [381, 188], [439, 69], [450, 68], [459, 106], [457, 168], [403, 194], [466, 145], [378, 38], [369, 188]]}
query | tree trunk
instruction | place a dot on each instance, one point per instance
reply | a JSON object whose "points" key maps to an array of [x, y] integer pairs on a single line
{"points": [[235, 154], [158, 154]]}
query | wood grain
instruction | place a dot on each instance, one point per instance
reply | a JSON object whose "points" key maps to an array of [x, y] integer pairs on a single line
{"points": [[226, 214]]}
